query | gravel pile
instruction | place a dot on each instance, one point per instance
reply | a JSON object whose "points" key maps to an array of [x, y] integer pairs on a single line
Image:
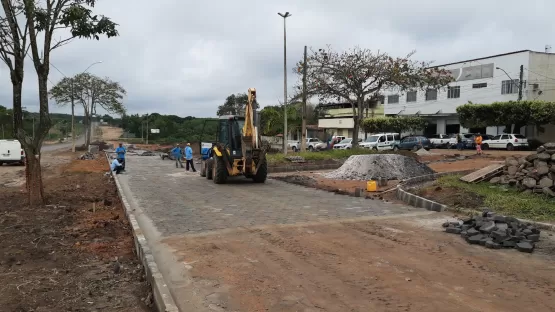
{"points": [[387, 166], [495, 232], [533, 173]]}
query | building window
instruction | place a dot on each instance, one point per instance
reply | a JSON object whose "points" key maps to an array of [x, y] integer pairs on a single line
{"points": [[411, 96], [431, 94], [479, 85], [454, 92], [509, 87], [393, 99]]}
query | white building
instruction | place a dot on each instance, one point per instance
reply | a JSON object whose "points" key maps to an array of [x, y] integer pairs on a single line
{"points": [[482, 81]]}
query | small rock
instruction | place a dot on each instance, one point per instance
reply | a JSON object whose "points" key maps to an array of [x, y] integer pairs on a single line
{"points": [[540, 149], [472, 232], [445, 224], [525, 247], [407, 279], [512, 170], [509, 244], [475, 239], [500, 219], [501, 226], [495, 180], [546, 182], [544, 156], [541, 171], [529, 182]]}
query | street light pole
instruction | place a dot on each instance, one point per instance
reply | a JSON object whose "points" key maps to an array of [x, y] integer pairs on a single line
{"points": [[520, 84], [285, 16]]}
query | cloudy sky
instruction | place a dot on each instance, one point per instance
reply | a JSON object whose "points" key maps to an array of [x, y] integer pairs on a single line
{"points": [[185, 57]]}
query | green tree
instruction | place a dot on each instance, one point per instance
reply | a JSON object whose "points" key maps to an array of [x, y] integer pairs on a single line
{"points": [[271, 119], [91, 91], [394, 124], [358, 75], [21, 28], [234, 105]]}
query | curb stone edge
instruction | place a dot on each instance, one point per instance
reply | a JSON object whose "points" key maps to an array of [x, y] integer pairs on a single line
{"points": [[163, 300]]}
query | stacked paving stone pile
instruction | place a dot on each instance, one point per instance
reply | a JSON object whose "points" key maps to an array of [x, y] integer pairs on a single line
{"points": [[87, 156], [533, 173], [495, 231]]}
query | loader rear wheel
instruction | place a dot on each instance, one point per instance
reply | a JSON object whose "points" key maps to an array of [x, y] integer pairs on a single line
{"points": [[261, 173], [219, 171], [202, 170], [209, 165]]}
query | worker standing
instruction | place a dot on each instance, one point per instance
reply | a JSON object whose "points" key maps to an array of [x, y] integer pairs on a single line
{"points": [[177, 154], [120, 151], [189, 157], [478, 142]]}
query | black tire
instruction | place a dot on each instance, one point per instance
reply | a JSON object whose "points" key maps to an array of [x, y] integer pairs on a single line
{"points": [[374, 148], [485, 146], [202, 170], [310, 148], [510, 147], [209, 172], [295, 149], [219, 171], [395, 148], [415, 148], [261, 174]]}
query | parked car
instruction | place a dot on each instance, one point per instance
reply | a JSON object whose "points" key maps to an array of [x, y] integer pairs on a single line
{"points": [[443, 140], [294, 145], [413, 143], [506, 141], [314, 144], [11, 152], [345, 144], [381, 141]]}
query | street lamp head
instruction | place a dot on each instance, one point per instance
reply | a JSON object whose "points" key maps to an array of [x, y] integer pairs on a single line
{"points": [[497, 68], [284, 15]]}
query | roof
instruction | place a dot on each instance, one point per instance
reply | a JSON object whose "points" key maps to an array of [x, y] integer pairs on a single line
{"points": [[487, 57]]}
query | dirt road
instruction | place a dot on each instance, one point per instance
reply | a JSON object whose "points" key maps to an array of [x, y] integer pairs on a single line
{"points": [[401, 264]]}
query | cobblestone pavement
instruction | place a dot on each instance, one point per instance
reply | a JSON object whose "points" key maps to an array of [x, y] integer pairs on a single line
{"points": [[180, 202]]}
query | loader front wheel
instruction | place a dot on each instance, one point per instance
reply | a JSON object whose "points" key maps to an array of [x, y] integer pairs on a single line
{"points": [[261, 173], [219, 171], [209, 172]]}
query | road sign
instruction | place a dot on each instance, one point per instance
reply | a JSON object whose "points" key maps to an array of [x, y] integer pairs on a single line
{"points": [[154, 130]]}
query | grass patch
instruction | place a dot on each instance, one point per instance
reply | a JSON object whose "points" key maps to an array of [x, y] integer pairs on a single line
{"points": [[507, 201], [330, 155]]}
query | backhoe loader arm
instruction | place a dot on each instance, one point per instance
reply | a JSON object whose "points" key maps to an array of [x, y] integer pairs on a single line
{"points": [[248, 128]]}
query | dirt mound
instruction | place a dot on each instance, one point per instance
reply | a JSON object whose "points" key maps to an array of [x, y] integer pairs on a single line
{"points": [[388, 166]]}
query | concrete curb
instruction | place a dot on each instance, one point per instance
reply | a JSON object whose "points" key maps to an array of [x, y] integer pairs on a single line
{"points": [[421, 202], [163, 300], [292, 168]]}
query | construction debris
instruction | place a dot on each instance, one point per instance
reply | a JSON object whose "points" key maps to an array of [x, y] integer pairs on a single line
{"points": [[386, 166], [534, 173], [423, 152], [101, 145], [147, 153], [87, 156], [495, 231]]}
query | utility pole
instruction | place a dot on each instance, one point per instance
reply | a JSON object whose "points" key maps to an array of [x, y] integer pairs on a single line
{"points": [[142, 131], [303, 122], [521, 83], [147, 128], [285, 16]]}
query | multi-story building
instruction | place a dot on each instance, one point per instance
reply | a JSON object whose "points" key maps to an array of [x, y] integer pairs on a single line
{"points": [[337, 118], [481, 81]]}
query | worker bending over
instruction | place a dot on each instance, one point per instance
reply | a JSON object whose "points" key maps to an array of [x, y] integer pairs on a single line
{"points": [[120, 151], [116, 166]]}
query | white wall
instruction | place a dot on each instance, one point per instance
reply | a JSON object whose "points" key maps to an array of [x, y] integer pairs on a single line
{"points": [[341, 123], [492, 93]]}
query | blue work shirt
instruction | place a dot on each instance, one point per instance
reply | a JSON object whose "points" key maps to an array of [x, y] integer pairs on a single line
{"points": [[115, 164], [176, 152], [121, 152], [188, 153]]}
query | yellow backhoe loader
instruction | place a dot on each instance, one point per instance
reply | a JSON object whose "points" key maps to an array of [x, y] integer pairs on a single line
{"points": [[238, 149]]}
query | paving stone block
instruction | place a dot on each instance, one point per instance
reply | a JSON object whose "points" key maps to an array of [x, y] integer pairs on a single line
{"points": [[525, 247], [466, 227], [509, 244], [488, 227], [533, 237], [453, 230], [499, 236], [445, 224], [475, 239], [498, 218], [492, 245], [472, 232], [464, 234], [502, 226], [527, 232]]}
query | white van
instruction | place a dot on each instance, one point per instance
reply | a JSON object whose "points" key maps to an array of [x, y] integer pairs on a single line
{"points": [[381, 141], [11, 152]]}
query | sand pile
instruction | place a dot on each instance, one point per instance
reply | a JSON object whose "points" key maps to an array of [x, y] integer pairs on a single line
{"points": [[388, 166]]}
